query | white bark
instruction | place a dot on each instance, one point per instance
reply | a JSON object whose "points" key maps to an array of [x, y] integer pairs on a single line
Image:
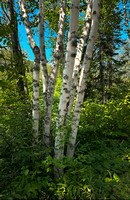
{"points": [[78, 58], [36, 107], [83, 77], [36, 51], [67, 77], [42, 49], [52, 78], [27, 24]]}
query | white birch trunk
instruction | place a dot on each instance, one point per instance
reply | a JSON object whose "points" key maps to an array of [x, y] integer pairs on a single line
{"points": [[52, 78], [42, 49], [36, 107], [67, 77], [36, 51], [78, 58], [83, 77]]}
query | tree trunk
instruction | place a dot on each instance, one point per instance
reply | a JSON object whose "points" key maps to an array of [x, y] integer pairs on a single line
{"points": [[36, 107], [36, 51], [53, 76], [17, 53], [42, 50], [78, 58], [67, 78], [83, 77]]}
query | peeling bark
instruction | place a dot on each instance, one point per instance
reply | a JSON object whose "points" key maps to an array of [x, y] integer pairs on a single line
{"points": [[36, 51], [36, 107], [78, 58], [53, 76], [83, 77], [67, 78], [42, 50]]}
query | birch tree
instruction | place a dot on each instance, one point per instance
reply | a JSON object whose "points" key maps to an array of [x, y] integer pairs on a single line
{"points": [[48, 81], [71, 70], [53, 75], [83, 77], [36, 51], [42, 49], [67, 76], [78, 57]]}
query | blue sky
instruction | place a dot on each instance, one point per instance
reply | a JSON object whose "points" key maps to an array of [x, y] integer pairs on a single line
{"points": [[26, 47]]}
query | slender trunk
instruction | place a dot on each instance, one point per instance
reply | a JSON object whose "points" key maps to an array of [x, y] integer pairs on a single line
{"points": [[42, 50], [52, 78], [63, 57], [36, 107], [67, 78], [126, 18], [83, 77], [78, 58], [36, 51]]}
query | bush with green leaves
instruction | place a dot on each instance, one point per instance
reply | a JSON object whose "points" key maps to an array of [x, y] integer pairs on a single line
{"points": [[102, 172], [111, 118]]}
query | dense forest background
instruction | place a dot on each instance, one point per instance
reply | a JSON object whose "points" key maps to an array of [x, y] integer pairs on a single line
{"points": [[99, 169]]}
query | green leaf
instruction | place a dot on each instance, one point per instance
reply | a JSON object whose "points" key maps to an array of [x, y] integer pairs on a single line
{"points": [[116, 177], [108, 180], [26, 172]]}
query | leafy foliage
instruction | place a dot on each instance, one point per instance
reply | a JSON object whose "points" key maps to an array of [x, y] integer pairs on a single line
{"points": [[99, 170], [109, 119]]}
